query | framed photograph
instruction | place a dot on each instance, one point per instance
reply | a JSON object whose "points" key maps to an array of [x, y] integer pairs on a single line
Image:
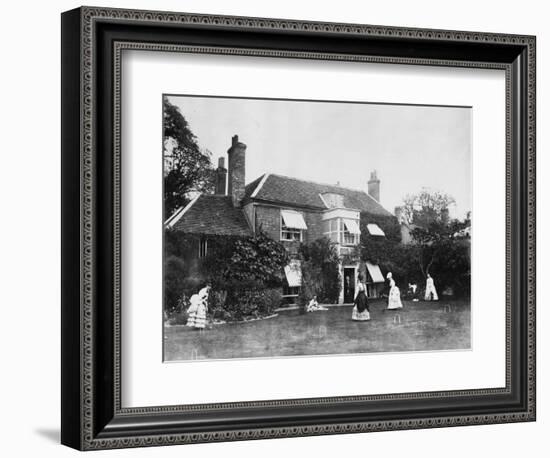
{"points": [[276, 228]]}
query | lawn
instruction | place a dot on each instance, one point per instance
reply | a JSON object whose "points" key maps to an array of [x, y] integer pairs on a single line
{"points": [[443, 325]]}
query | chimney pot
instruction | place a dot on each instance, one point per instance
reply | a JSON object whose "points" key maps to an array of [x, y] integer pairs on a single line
{"points": [[221, 177], [374, 186], [236, 169]]}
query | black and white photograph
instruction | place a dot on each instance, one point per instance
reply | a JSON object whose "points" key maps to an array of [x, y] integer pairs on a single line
{"points": [[309, 227]]}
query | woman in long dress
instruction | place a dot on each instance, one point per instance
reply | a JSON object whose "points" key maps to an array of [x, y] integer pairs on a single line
{"points": [[394, 298], [197, 310], [192, 310], [361, 308], [431, 293]]}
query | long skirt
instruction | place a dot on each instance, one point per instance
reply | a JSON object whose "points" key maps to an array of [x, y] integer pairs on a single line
{"points": [[431, 294], [394, 299], [361, 310], [197, 317]]}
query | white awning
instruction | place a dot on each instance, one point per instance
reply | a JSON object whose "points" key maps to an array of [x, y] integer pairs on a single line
{"points": [[352, 226], [375, 273], [374, 229], [293, 219], [293, 273]]}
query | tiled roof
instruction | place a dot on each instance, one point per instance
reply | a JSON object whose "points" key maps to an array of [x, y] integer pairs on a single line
{"points": [[295, 192], [213, 215]]}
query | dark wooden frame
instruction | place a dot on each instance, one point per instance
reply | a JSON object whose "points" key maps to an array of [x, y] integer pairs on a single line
{"points": [[92, 40]]}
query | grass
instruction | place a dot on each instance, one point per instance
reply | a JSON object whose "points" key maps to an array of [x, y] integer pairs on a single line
{"points": [[443, 325]]}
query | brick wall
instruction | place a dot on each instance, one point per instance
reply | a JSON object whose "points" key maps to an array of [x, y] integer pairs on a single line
{"points": [[248, 210], [269, 219], [314, 225]]}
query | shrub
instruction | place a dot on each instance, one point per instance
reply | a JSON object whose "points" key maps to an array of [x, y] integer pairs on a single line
{"points": [[320, 271], [244, 273], [312, 284], [245, 303], [272, 299], [174, 279]]}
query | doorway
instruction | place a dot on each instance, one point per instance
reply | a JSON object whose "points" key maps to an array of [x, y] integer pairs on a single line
{"points": [[349, 284]]}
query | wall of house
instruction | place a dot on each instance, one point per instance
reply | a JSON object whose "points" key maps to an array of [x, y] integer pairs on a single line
{"points": [[269, 219], [314, 225], [248, 210]]}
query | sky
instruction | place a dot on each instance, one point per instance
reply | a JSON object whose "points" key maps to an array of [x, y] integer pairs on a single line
{"points": [[410, 147]]}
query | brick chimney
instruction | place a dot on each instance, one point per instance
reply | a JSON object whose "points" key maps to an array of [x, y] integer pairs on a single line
{"points": [[236, 168], [221, 176], [374, 186]]}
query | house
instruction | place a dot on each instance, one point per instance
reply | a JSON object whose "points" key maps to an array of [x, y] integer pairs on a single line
{"points": [[290, 210]]}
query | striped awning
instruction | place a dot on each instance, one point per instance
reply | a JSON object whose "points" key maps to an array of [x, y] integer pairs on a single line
{"points": [[375, 272], [374, 229], [293, 219], [352, 226]]}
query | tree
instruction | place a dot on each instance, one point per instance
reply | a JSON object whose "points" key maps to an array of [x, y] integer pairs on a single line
{"points": [[187, 168], [435, 239], [441, 245], [427, 207]]}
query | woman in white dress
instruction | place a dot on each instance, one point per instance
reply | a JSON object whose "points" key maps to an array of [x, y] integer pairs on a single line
{"points": [[197, 310], [394, 298], [361, 309], [431, 293], [192, 310]]}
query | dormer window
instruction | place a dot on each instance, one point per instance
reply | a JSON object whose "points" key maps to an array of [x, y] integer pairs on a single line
{"points": [[292, 226]]}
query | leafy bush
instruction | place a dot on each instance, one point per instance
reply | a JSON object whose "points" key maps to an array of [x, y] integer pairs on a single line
{"points": [[174, 279], [246, 302], [451, 267], [312, 283], [243, 272], [320, 271]]}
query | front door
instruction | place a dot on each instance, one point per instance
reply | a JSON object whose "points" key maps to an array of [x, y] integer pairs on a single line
{"points": [[349, 284]]}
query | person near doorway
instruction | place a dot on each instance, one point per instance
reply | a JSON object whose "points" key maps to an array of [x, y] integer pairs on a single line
{"points": [[361, 306]]}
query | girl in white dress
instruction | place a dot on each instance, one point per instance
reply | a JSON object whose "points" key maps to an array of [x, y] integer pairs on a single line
{"points": [[394, 298], [313, 305], [431, 293], [192, 310], [197, 310]]}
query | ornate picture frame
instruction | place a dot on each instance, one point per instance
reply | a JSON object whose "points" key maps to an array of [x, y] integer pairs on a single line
{"points": [[93, 416]]}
